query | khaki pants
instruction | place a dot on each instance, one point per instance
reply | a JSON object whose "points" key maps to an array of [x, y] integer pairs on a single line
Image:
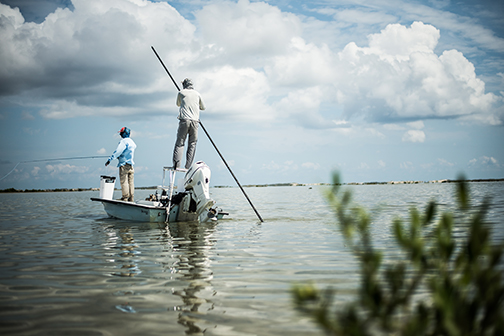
{"points": [[126, 175], [186, 128]]}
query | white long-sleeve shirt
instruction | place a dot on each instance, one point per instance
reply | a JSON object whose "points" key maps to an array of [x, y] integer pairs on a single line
{"points": [[190, 103], [125, 152]]}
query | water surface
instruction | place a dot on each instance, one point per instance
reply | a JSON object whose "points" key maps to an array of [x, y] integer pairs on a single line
{"points": [[67, 269]]}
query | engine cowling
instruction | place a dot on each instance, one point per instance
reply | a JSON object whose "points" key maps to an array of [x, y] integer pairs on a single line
{"points": [[197, 180]]}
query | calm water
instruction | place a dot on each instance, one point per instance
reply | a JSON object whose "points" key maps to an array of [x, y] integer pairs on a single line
{"points": [[66, 269]]}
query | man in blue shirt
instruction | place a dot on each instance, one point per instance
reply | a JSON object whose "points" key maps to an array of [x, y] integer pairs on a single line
{"points": [[124, 154]]}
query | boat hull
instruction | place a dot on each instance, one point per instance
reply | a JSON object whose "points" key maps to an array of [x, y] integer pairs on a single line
{"points": [[191, 204], [133, 211]]}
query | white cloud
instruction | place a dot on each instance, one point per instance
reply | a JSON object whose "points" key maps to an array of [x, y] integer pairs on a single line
{"points": [[96, 60], [400, 76], [101, 151], [444, 162], [27, 116], [414, 136], [58, 170], [237, 93], [398, 43], [408, 165], [35, 171], [363, 165], [484, 161], [491, 161], [251, 29], [84, 54], [31, 131], [271, 166], [64, 109], [302, 65], [362, 17], [302, 106], [393, 127], [311, 165], [416, 125], [341, 123]]}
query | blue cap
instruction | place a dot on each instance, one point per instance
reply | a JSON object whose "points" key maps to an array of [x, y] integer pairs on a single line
{"points": [[124, 132]]}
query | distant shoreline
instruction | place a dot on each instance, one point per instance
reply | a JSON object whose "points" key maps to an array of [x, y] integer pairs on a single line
{"points": [[292, 184]]}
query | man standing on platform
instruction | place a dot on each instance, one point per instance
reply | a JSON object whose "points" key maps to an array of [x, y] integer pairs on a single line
{"points": [[190, 103]]}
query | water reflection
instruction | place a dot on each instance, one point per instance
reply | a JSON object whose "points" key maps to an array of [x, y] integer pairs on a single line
{"points": [[121, 238], [181, 258], [193, 240]]}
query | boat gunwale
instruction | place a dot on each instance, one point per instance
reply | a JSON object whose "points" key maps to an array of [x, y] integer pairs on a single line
{"points": [[146, 206]]}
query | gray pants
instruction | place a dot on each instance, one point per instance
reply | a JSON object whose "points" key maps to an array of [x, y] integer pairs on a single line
{"points": [[186, 127], [126, 176]]}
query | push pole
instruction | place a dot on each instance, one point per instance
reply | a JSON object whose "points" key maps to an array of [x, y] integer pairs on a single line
{"points": [[215, 146]]}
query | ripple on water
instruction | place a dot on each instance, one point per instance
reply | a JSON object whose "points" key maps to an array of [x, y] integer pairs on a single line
{"points": [[67, 269]]}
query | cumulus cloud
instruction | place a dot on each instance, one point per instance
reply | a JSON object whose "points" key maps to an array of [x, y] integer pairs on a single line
{"points": [[400, 77], [406, 165], [446, 163], [236, 93], [489, 161], [252, 30], [416, 124], [96, 60], [311, 165], [302, 106], [57, 170], [31, 131], [27, 116], [484, 161], [393, 127], [93, 56], [397, 42], [414, 136], [35, 171]]}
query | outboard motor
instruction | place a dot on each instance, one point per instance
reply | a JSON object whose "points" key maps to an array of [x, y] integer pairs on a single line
{"points": [[197, 181]]}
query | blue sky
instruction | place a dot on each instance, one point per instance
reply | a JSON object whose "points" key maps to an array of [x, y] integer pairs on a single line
{"points": [[378, 90]]}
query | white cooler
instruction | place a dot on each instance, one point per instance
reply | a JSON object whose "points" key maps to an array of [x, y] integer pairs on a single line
{"points": [[107, 184]]}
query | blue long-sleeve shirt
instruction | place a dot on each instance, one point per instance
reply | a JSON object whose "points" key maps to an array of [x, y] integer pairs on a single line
{"points": [[124, 152]]}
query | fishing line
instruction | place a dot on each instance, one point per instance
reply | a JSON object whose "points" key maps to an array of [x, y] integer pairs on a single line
{"points": [[58, 159]]}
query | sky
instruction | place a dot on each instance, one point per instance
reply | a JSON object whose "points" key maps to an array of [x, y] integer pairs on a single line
{"points": [[377, 90]]}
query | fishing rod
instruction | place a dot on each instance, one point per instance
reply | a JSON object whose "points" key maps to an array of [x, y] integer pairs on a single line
{"points": [[58, 159], [215, 146]]}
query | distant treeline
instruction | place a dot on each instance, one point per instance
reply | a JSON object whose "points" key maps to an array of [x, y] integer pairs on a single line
{"points": [[12, 190], [421, 182], [293, 184]]}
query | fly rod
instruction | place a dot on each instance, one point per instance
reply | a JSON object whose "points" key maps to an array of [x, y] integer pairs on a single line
{"points": [[209, 138], [58, 159]]}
